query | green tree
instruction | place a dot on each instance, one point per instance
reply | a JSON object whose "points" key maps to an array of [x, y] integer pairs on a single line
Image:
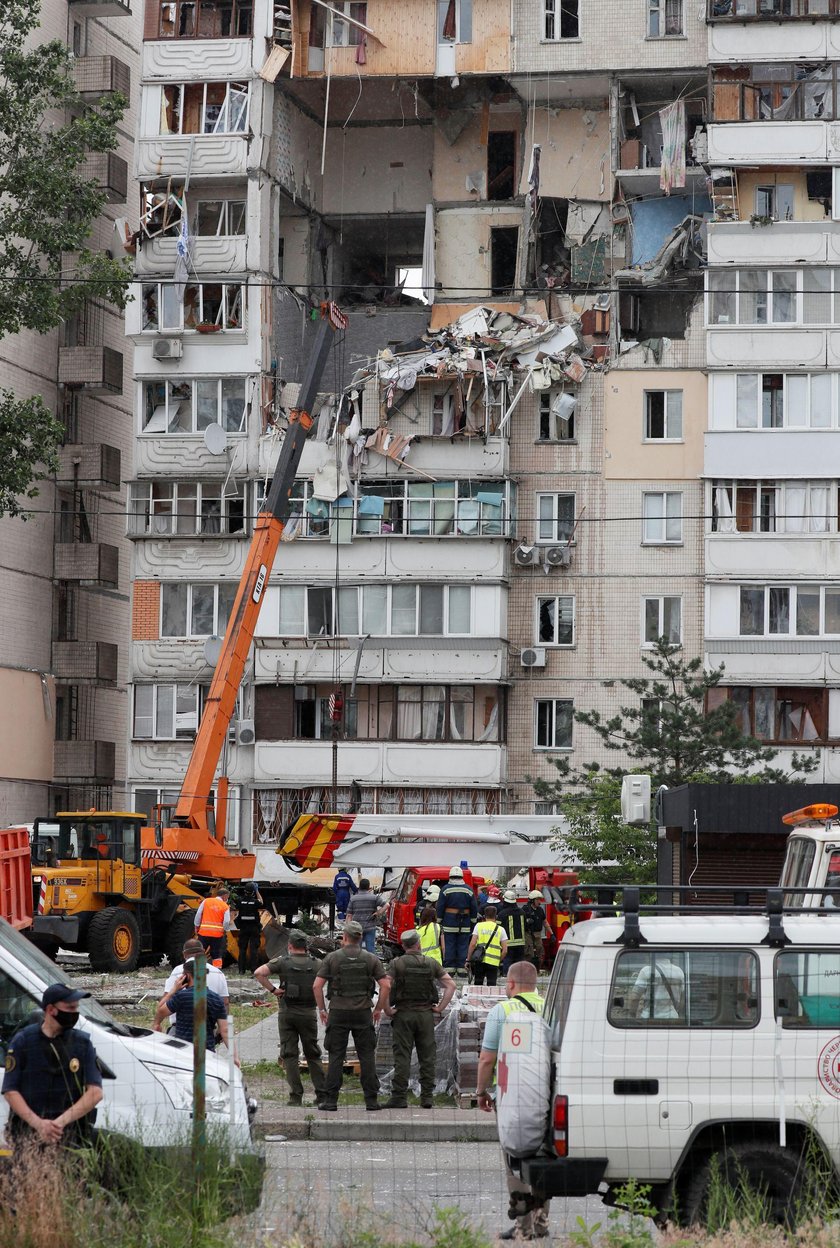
{"points": [[48, 204], [669, 732]]}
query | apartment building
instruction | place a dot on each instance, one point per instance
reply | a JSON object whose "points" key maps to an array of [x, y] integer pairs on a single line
{"points": [[66, 571], [771, 312], [518, 482]]}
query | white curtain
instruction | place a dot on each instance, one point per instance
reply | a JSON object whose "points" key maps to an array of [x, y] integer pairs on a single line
{"points": [[723, 505], [819, 508], [408, 717], [491, 732], [434, 704]]}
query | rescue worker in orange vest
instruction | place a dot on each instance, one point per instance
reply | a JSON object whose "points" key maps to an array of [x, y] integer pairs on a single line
{"points": [[212, 924]]}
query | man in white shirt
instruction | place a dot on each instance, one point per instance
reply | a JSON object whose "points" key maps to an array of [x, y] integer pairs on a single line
{"points": [[216, 981], [659, 991]]}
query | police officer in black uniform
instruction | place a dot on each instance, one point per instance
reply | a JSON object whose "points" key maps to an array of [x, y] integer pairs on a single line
{"points": [[52, 1081], [249, 927]]}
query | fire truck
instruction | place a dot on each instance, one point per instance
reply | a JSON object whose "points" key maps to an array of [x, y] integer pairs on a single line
{"points": [[499, 846]]}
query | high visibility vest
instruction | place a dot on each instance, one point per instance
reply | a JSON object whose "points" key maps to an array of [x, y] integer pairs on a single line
{"points": [[489, 933], [430, 941], [213, 917], [514, 1004]]}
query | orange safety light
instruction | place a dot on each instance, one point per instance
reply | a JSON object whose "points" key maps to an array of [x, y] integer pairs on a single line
{"points": [[820, 811]]}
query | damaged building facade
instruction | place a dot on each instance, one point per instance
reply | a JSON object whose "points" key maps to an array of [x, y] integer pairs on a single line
{"points": [[509, 493], [66, 571]]}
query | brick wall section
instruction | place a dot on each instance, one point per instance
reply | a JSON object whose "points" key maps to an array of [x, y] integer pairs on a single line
{"points": [[145, 611]]}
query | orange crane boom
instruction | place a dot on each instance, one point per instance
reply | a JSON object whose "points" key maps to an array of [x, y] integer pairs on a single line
{"points": [[196, 837]]}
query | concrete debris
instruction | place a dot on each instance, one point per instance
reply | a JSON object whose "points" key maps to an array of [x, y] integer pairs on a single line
{"points": [[682, 249]]}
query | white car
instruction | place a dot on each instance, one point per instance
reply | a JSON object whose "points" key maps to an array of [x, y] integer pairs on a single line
{"points": [[680, 1039], [147, 1076]]}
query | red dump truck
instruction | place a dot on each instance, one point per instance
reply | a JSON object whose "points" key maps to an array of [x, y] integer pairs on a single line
{"points": [[15, 877]]}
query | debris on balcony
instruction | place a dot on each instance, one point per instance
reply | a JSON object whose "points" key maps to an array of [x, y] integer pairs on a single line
{"points": [[682, 249]]}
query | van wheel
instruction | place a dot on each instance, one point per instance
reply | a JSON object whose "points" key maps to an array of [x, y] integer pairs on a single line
{"points": [[113, 940], [180, 930], [776, 1175]]}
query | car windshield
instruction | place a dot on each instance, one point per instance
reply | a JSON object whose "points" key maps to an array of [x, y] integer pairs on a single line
{"points": [[34, 960]]}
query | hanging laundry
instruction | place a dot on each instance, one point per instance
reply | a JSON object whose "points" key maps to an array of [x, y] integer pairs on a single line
{"points": [[672, 169], [361, 51], [183, 254]]}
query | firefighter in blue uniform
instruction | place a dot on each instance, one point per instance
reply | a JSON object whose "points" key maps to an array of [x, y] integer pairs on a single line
{"points": [[343, 887], [457, 911], [52, 1081]]}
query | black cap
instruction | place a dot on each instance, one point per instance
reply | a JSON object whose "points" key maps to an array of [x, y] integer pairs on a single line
{"points": [[57, 993]]}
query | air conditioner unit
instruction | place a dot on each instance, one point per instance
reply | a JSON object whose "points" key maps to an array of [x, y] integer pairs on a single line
{"points": [[245, 732], [526, 555], [533, 656], [557, 557], [168, 349]]}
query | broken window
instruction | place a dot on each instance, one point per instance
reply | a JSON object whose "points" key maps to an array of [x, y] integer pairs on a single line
{"points": [[556, 620], [665, 17], [220, 218], [205, 19], [504, 244], [562, 19], [204, 108], [185, 508], [807, 91], [556, 416], [190, 406], [501, 164], [775, 202], [663, 415], [780, 714], [342, 34], [207, 306]]}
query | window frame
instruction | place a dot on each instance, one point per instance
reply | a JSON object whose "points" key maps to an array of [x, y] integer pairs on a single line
{"points": [[142, 510], [236, 6], [557, 538], [348, 36], [176, 688], [669, 401], [545, 417], [664, 540], [552, 12], [746, 711], [653, 953], [793, 591], [387, 609], [767, 296], [795, 1024], [177, 105], [555, 598], [194, 383], [230, 305], [555, 703], [190, 587], [661, 599], [659, 9]]}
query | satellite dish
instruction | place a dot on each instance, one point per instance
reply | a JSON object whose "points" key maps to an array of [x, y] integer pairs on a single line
{"points": [[215, 439], [212, 650]]}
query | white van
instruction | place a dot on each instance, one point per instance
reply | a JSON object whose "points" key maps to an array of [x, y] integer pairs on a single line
{"points": [[147, 1076], [686, 1043]]}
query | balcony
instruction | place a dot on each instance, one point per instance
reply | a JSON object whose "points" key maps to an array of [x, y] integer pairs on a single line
{"points": [[110, 173], [209, 255], [378, 762], [95, 370], [212, 156], [96, 76], [100, 8], [771, 10], [95, 466], [92, 563], [85, 761], [85, 662], [778, 242], [436, 660], [769, 556], [767, 454]]}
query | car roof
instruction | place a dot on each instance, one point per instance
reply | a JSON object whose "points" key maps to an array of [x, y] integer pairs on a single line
{"points": [[707, 929]]}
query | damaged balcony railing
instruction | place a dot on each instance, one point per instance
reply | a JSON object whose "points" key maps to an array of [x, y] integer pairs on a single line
{"points": [[803, 91]]}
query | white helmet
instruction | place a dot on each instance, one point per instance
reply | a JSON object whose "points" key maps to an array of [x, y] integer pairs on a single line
{"points": [[456, 873]]}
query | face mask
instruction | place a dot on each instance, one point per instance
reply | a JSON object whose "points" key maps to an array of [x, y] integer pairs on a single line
{"points": [[66, 1018]]}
